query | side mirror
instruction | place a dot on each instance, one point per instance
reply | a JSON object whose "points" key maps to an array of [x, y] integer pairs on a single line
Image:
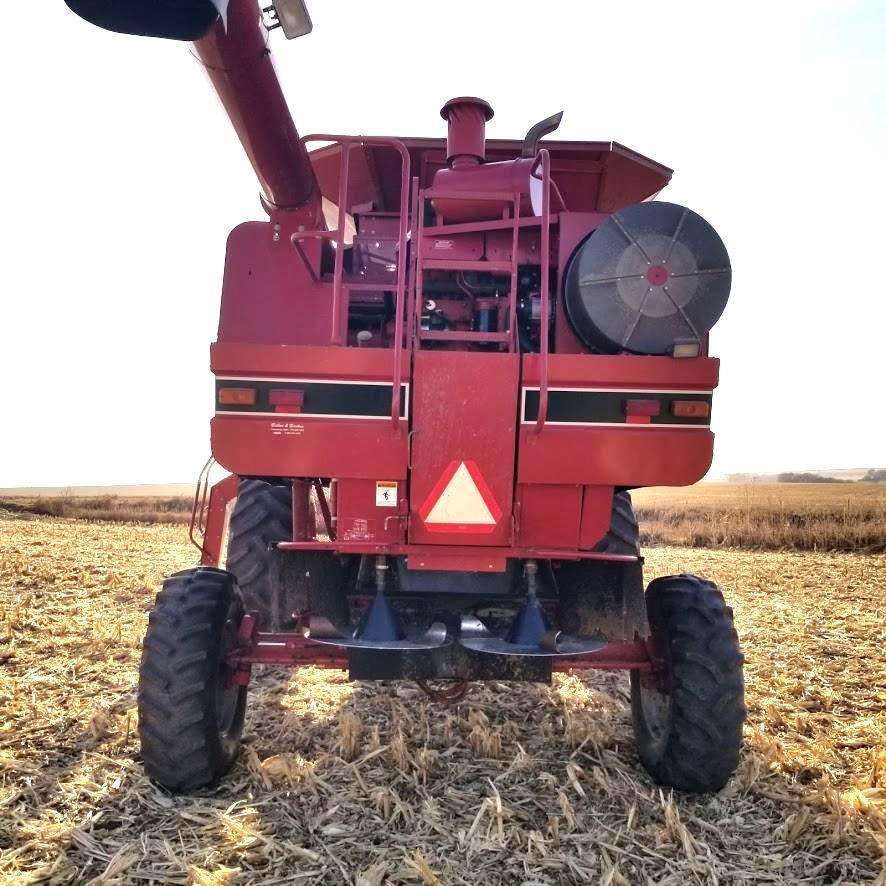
{"points": [[174, 19]]}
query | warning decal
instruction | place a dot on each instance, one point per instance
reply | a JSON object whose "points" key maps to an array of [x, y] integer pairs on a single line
{"points": [[385, 494], [460, 502]]}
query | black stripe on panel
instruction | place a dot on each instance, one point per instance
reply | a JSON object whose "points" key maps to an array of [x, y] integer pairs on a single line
{"points": [[320, 398], [608, 407]]}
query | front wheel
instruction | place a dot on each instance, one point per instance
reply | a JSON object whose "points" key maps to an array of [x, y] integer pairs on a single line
{"points": [[688, 718], [190, 714]]}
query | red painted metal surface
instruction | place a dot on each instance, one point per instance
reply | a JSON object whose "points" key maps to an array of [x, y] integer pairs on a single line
{"points": [[456, 190], [544, 161], [548, 515], [466, 119], [238, 62], [635, 655], [298, 445], [456, 558], [297, 361], [596, 513], [213, 522], [295, 446], [464, 409], [360, 519], [255, 647], [628, 456], [623, 372]]}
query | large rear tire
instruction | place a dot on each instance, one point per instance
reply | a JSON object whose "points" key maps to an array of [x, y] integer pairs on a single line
{"points": [[190, 715], [623, 536], [688, 719], [262, 516]]}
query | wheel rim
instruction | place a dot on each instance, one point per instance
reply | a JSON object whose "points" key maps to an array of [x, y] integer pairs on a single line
{"points": [[227, 694]]}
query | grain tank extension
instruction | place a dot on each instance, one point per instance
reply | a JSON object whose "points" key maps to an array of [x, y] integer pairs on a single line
{"points": [[442, 364]]}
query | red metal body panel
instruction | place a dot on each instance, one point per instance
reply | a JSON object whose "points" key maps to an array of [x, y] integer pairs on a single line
{"points": [[213, 522], [632, 455], [292, 446], [596, 512], [548, 516], [624, 371], [262, 274], [629, 456], [296, 361], [464, 409], [361, 519], [303, 446]]}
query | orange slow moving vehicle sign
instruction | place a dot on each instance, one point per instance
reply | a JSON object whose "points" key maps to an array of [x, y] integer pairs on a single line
{"points": [[460, 502]]}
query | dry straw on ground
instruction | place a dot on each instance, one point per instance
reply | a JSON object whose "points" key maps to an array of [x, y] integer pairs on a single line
{"points": [[372, 784]]}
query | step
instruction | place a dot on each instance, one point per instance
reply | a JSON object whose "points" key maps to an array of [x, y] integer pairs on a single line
{"points": [[442, 264], [463, 335], [501, 224]]}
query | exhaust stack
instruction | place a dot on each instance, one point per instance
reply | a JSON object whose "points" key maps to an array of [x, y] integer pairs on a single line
{"points": [[231, 40]]}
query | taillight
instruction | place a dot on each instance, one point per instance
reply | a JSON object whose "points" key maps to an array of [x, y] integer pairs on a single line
{"points": [[287, 399], [237, 396], [690, 408]]}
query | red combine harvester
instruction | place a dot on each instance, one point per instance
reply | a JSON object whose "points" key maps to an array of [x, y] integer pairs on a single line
{"points": [[441, 365]]}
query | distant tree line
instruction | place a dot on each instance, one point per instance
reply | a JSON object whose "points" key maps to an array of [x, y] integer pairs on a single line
{"points": [[792, 477], [874, 475]]}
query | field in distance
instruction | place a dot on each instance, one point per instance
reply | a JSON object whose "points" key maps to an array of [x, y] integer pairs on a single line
{"points": [[772, 516], [762, 516]]}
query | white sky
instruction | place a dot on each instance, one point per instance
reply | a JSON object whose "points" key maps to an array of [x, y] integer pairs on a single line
{"points": [[121, 178]]}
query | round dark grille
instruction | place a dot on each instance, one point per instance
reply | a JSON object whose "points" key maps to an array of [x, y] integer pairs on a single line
{"points": [[651, 276]]}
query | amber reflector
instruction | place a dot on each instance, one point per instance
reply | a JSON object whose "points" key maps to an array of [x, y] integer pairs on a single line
{"points": [[691, 408], [236, 396]]}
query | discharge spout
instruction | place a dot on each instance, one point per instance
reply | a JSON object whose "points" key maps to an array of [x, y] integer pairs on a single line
{"points": [[231, 41]]}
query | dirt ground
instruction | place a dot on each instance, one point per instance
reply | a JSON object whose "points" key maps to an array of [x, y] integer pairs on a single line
{"points": [[372, 784]]}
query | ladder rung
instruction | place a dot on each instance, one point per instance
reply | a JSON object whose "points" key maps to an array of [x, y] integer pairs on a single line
{"points": [[366, 286], [441, 264], [495, 196], [499, 224], [463, 335]]}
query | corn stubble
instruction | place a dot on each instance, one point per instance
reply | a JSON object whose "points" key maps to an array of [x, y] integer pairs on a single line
{"points": [[372, 784]]}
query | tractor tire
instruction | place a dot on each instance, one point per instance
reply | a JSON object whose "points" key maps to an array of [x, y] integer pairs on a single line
{"points": [[262, 516], [190, 720], [623, 536], [688, 720]]}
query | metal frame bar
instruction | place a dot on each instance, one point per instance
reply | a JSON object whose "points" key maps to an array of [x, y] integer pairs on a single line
{"points": [[260, 647], [543, 159], [396, 548]]}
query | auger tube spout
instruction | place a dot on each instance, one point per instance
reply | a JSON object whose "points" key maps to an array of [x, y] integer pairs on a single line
{"points": [[235, 53]]}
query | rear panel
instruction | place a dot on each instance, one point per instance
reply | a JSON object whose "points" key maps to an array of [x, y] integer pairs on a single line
{"points": [[464, 414]]}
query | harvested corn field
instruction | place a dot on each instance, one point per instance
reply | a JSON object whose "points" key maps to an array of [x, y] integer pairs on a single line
{"points": [[766, 516], [372, 784]]}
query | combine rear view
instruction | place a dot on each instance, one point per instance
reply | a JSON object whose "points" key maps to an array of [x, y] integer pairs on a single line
{"points": [[441, 365]]}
